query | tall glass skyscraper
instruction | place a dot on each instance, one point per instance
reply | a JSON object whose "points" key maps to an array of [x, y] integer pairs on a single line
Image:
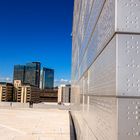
{"points": [[32, 73], [29, 73], [47, 78], [19, 73]]}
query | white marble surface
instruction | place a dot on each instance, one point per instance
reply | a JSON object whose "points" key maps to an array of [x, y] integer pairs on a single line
{"points": [[34, 124]]}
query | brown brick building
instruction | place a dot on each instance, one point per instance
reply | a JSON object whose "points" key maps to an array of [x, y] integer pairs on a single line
{"points": [[6, 92], [49, 95], [25, 93]]}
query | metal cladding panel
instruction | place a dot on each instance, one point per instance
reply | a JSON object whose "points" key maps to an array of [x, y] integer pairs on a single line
{"points": [[83, 132], [102, 117], [117, 69], [75, 99], [75, 62], [109, 119], [128, 83], [87, 13], [77, 12], [102, 73], [94, 15], [128, 16], [129, 119], [106, 70], [115, 17], [104, 30], [81, 14]]}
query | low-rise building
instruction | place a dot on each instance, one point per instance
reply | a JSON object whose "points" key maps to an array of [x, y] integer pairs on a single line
{"points": [[49, 95], [25, 93], [6, 92], [64, 93]]}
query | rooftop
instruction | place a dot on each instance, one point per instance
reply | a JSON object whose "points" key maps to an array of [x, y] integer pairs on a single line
{"points": [[34, 124]]}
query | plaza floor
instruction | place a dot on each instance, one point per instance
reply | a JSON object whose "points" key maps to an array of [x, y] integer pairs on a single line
{"points": [[34, 124]]}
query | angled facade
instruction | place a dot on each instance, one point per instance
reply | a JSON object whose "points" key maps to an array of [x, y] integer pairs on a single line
{"points": [[29, 73], [47, 78], [106, 69], [64, 93], [24, 93], [32, 73], [19, 73], [6, 92]]}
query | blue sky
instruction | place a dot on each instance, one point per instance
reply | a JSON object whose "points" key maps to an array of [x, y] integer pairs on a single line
{"points": [[36, 30]]}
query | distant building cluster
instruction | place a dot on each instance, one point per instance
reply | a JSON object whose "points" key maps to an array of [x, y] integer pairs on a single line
{"points": [[33, 84], [32, 74]]}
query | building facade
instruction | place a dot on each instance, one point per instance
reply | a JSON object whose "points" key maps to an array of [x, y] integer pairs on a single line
{"points": [[64, 94], [47, 78], [25, 93], [19, 73], [29, 73], [106, 69], [6, 92], [32, 73], [49, 95]]}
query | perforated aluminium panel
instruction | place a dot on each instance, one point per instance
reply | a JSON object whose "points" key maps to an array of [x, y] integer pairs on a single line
{"points": [[128, 65], [117, 70], [106, 70], [103, 31], [76, 20], [109, 119], [87, 13], [128, 16], [83, 132], [122, 16], [102, 117], [129, 119], [95, 12], [102, 73]]}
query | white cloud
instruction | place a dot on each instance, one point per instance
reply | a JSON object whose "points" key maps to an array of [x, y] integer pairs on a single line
{"points": [[64, 80], [61, 82], [5, 79]]}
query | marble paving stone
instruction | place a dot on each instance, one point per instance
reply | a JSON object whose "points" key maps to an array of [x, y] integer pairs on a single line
{"points": [[34, 124]]}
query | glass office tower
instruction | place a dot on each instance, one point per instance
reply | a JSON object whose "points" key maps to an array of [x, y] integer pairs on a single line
{"points": [[29, 73], [19, 73], [32, 73], [47, 78]]}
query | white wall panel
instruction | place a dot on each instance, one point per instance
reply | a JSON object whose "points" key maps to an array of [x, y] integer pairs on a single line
{"points": [[109, 119], [102, 73], [106, 69], [116, 71], [129, 119], [116, 16], [128, 66], [128, 16]]}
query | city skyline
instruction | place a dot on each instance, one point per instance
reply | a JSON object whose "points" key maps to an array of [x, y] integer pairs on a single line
{"points": [[28, 30], [28, 73]]}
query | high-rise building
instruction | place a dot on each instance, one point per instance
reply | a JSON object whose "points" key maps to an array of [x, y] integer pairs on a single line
{"points": [[106, 69], [47, 78], [19, 73], [6, 92], [29, 73], [32, 73]]}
